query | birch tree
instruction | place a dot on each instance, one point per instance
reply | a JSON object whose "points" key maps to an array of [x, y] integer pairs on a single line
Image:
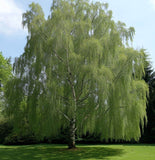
{"points": [[78, 72]]}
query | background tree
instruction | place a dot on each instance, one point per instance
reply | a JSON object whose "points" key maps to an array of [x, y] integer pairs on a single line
{"points": [[78, 73], [5, 75], [5, 70], [149, 130]]}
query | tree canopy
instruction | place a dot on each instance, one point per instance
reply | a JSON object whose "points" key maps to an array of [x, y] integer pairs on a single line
{"points": [[5, 69], [5, 75], [78, 72]]}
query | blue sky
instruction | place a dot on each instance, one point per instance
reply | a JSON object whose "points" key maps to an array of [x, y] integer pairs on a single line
{"points": [[137, 13]]}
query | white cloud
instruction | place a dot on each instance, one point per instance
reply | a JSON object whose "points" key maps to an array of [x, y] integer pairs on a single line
{"points": [[153, 3], [10, 17]]}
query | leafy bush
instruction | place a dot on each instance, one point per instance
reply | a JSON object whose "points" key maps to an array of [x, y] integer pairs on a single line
{"points": [[5, 130], [13, 139]]}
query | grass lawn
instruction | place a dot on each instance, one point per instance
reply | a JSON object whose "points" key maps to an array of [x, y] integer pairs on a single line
{"points": [[83, 152]]}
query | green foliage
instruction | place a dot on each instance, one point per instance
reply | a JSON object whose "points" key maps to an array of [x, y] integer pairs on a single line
{"points": [[149, 131], [14, 139], [5, 69], [78, 68], [5, 75], [5, 130]]}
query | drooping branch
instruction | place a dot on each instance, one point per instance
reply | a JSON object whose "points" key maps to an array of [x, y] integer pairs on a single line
{"points": [[84, 98], [81, 88], [60, 58], [122, 69], [64, 115]]}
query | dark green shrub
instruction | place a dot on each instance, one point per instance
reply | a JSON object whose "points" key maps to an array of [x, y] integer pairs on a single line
{"points": [[14, 139], [5, 130]]}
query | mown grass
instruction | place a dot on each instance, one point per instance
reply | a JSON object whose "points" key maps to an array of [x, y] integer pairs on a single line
{"points": [[83, 152]]}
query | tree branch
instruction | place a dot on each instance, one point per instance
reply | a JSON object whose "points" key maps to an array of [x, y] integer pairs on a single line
{"points": [[60, 58], [84, 98], [64, 115], [122, 69]]}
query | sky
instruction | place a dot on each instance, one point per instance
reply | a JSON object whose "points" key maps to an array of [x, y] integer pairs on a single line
{"points": [[139, 14]]}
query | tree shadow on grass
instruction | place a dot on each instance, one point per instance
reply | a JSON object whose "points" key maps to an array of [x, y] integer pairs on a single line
{"points": [[58, 153]]}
